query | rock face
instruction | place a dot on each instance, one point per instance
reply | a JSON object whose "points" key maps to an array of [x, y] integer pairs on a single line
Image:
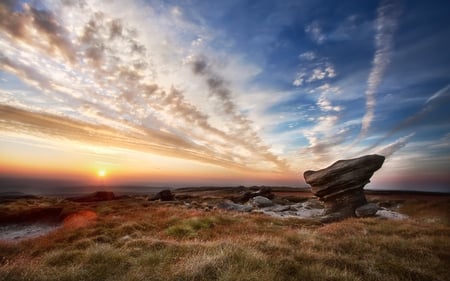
{"points": [[340, 186]]}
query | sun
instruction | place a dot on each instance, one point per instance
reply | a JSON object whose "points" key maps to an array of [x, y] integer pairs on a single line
{"points": [[101, 173]]}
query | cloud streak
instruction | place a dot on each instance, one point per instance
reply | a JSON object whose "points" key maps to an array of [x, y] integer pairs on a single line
{"points": [[385, 25]]}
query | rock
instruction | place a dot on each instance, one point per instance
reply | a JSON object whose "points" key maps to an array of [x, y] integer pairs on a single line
{"points": [[264, 191], [231, 206], [94, 197], [312, 204], [163, 195], [389, 214], [261, 202], [367, 210], [282, 208], [340, 186]]}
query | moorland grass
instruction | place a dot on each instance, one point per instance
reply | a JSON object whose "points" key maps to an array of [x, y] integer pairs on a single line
{"points": [[134, 240]]}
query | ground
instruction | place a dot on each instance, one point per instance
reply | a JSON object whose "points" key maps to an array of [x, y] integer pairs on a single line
{"points": [[134, 239]]}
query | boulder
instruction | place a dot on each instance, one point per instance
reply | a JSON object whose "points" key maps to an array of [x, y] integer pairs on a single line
{"points": [[368, 210], [264, 191], [163, 195], [261, 202], [231, 206], [340, 186]]}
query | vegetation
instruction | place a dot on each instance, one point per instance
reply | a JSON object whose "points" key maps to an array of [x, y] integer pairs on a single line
{"points": [[133, 239]]}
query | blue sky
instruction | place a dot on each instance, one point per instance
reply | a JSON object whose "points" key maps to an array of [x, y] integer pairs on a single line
{"points": [[244, 88]]}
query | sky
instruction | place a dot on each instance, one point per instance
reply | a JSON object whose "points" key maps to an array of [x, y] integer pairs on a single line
{"points": [[196, 92]]}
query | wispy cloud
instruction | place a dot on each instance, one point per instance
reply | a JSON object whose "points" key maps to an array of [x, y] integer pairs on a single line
{"points": [[315, 32], [391, 148], [131, 82], [385, 25], [440, 97]]}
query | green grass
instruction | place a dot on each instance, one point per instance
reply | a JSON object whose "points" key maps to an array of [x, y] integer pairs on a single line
{"points": [[132, 240]]}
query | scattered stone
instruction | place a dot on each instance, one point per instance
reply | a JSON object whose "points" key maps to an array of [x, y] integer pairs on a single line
{"points": [[261, 202], [340, 186], [282, 208], [163, 195], [368, 210], [388, 214], [231, 206]]}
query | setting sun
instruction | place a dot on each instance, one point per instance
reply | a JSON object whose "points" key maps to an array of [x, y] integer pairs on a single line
{"points": [[101, 173]]}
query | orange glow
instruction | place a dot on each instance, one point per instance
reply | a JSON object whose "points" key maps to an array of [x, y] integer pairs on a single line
{"points": [[101, 173]]}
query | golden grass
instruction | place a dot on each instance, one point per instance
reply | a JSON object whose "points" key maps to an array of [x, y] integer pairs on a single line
{"points": [[134, 240]]}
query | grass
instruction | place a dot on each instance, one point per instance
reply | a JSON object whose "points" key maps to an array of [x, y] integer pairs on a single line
{"points": [[134, 240]]}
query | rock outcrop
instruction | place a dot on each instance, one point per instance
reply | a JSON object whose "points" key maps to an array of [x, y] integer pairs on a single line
{"points": [[340, 186]]}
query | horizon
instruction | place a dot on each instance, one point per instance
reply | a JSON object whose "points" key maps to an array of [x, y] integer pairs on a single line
{"points": [[224, 93]]}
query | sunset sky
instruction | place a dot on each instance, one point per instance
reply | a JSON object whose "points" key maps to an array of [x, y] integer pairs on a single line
{"points": [[224, 92]]}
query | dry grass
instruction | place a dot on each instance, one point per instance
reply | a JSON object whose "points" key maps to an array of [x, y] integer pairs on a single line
{"points": [[135, 240]]}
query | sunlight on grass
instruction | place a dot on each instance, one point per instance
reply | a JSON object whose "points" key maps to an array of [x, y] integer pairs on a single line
{"points": [[172, 243]]}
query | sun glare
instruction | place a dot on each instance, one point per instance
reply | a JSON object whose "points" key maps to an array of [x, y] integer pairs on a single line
{"points": [[101, 173]]}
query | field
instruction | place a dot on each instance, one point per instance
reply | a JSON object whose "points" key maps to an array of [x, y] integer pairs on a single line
{"points": [[134, 239]]}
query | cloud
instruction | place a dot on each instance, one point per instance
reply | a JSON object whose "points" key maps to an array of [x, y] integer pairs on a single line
{"points": [[439, 98], [313, 69], [390, 149], [36, 27], [315, 32], [153, 141], [307, 56], [128, 83], [385, 26], [243, 127]]}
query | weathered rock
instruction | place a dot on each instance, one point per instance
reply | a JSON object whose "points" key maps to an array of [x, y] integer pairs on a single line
{"points": [[264, 191], [163, 195], [340, 186], [231, 206], [312, 204], [368, 210], [261, 202]]}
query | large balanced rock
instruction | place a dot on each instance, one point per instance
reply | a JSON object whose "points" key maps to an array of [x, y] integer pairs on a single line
{"points": [[340, 186]]}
